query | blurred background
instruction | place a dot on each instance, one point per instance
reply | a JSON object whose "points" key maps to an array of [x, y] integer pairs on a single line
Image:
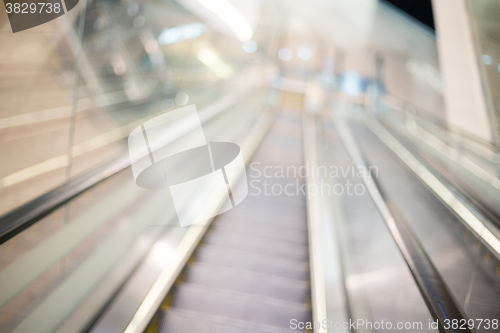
{"points": [[408, 90]]}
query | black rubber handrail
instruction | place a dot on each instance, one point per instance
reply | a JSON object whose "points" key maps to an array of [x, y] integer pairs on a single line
{"points": [[28, 214], [438, 297]]}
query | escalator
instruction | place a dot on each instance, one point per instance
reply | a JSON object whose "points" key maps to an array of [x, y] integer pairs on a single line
{"points": [[83, 231], [250, 273], [464, 266], [364, 213], [422, 211], [280, 261], [249, 270]]}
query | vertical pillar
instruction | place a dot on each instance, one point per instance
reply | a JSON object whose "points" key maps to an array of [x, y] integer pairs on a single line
{"points": [[465, 101]]}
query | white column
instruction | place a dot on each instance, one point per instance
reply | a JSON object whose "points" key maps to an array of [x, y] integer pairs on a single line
{"points": [[463, 93]]}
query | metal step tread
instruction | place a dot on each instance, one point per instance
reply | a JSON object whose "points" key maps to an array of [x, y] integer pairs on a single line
{"points": [[295, 201], [248, 261], [184, 321], [279, 217], [248, 307], [263, 231], [248, 282], [275, 248], [299, 205], [258, 221]]}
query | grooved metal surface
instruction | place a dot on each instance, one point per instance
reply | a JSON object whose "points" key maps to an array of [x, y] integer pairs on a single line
{"points": [[251, 271]]}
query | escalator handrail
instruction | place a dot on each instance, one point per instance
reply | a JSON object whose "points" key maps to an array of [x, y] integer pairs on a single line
{"points": [[439, 300], [21, 218], [478, 214], [428, 116]]}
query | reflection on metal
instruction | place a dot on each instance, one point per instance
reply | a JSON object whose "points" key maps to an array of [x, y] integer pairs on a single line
{"points": [[338, 229], [446, 195], [440, 302], [314, 227]]}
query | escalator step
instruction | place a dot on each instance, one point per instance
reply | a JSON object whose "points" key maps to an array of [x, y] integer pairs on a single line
{"points": [[182, 321], [294, 205], [263, 231], [250, 272], [248, 283], [283, 201], [253, 262], [247, 307], [271, 221], [223, 238], [280, 216]]}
